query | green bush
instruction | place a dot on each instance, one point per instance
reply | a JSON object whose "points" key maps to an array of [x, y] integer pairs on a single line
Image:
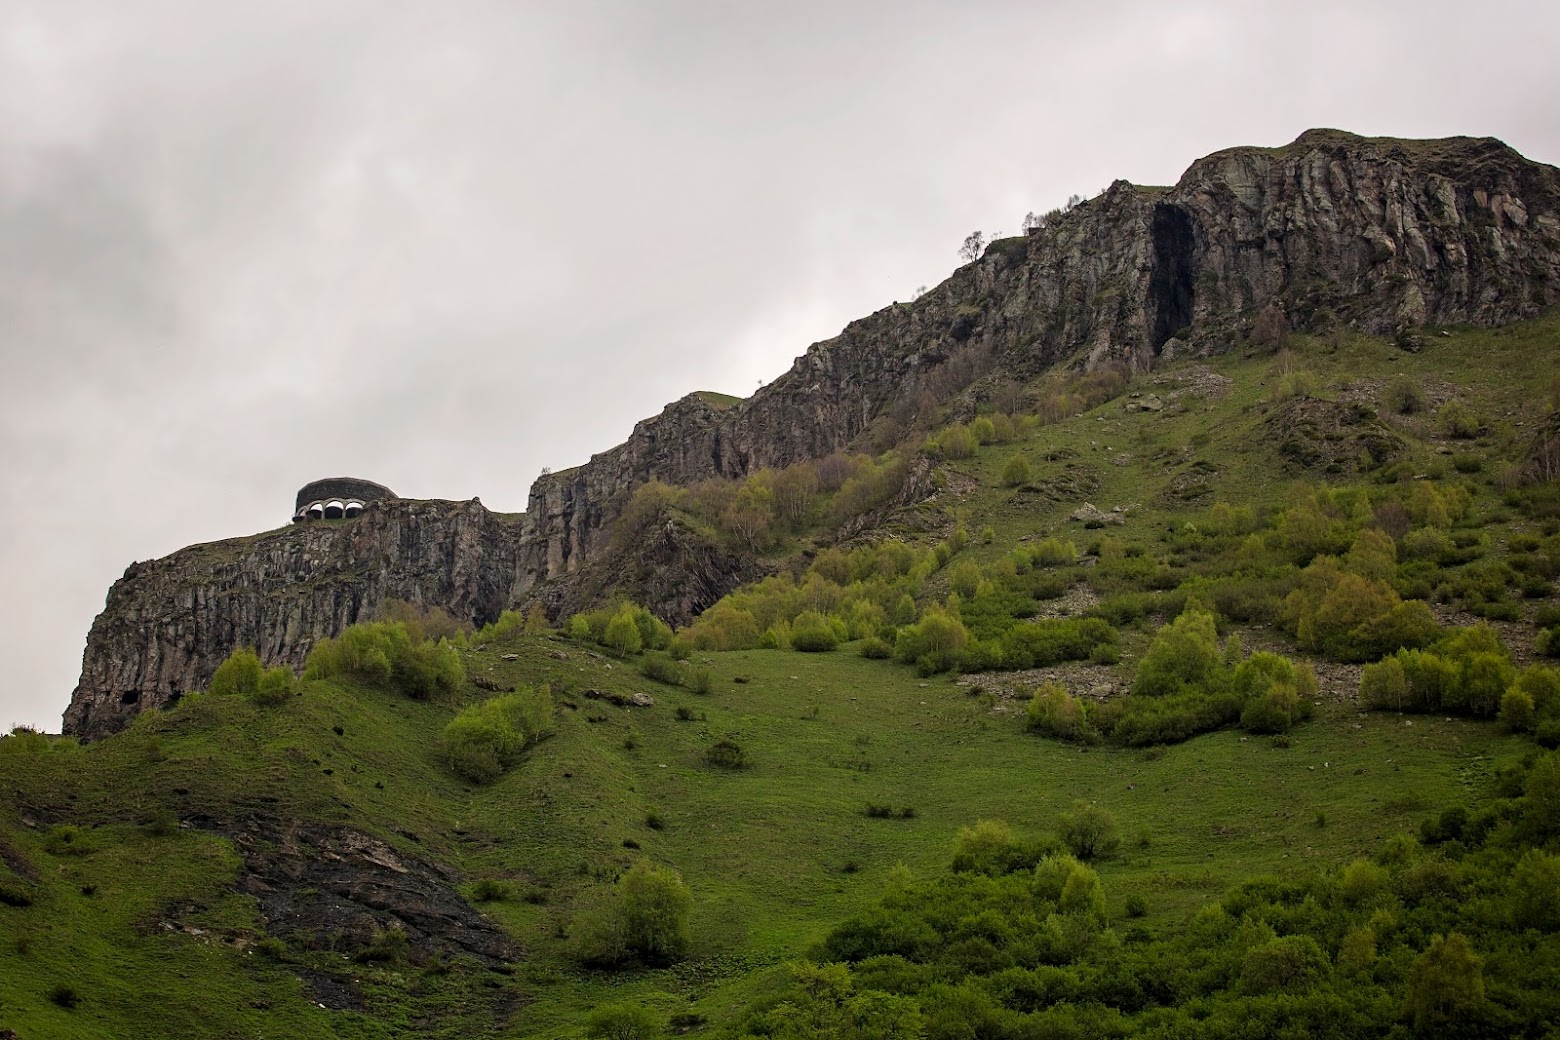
{"points": [[622, 635], [622, 1022], [1052, 552], [933, 644], [876, 648], [487, 738], [1089, 831], [1184, 656], [1017, 472], [811, 632], [1455, 419], [383, 653], [990, 847], [1040, 644], [277, 686], [1054, 712], [662, 669], [1404, 395], [644, 916], [68, 840], [240, 674], [726, 754]]}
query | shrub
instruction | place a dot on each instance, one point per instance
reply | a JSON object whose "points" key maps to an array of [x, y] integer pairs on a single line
{"points": [[239, 674], [1183, 656], [1455, 419], [956, 442], [65, 997], [490, 890], [990, 847], [1384, 686], [487, 738], [14, 894], [876, 648], [1404, 396], [1017, 472], [662, 669], [1282, 965], [388, 946], [277, 686], [700, 681], [1056, 713], [726, 754], [382, 653], [622, 635], [1039, 644], [934, 643], [812, 633], [68, 840], [1053, 552], [1089, 831], [644, 916], [622, 1022]]}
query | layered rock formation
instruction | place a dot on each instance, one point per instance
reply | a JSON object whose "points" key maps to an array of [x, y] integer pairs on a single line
{"points": [[1377, 234], [168, 623]]}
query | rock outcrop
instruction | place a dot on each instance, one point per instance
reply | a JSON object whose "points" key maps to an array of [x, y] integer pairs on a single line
{"points": [[1333, 229], [1377, 234], [168, 623]]}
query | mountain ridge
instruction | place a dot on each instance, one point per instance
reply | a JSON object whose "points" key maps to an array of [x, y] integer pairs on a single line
{"points": [[1373, 234]]}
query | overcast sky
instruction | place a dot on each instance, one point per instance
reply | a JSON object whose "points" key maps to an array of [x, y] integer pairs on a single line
{"points": [[442, 245]]}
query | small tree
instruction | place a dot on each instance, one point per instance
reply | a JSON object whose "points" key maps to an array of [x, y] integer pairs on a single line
{"points": [[1089, 831], [622, 1022], [622, 634], [970, 251], [645, 915], [1446, 982]]}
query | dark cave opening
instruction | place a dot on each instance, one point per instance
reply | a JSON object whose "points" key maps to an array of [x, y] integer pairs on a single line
{"points": [[1172, 286]]}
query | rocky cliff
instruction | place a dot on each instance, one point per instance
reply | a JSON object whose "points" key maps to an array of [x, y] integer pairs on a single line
{"points": [[1381, 235], [168, 623]]}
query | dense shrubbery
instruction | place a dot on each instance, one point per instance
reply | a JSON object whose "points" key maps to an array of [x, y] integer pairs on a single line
{"points": [[1015, 945], [243, 674], [1469, 672], [487, 738], [383, 653], [1185, 685], [621, 626]]}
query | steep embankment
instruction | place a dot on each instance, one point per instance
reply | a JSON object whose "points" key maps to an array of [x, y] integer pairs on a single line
{"points": [[1376, 234]]}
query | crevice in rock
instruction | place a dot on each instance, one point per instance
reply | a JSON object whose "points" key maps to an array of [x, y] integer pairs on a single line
{"points": [[1172, 286]]}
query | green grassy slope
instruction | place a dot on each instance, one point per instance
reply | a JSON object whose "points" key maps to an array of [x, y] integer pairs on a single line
{"points": [[134, 928]]}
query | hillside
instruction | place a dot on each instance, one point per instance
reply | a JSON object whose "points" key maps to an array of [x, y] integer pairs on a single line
{"points": [[1332, 232], [311, 865]]}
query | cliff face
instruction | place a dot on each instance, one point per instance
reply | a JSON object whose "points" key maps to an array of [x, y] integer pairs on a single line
{"points": [[168, 623], [1378, 234]]}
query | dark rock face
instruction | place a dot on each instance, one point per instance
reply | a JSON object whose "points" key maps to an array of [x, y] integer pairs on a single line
{"points": [[168, 623], [330, 887], [1333, 228]]}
